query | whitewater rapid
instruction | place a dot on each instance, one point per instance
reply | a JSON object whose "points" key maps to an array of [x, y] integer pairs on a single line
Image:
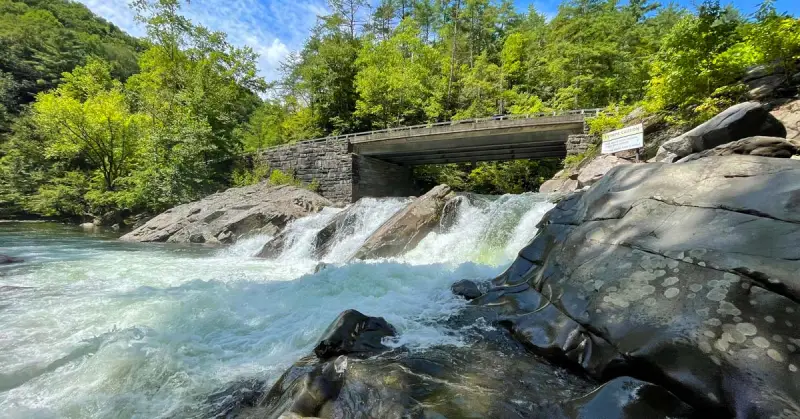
{"points": [[94, 327]]}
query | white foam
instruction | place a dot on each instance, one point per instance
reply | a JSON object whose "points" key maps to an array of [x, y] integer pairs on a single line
{"points": [[115, 329]]}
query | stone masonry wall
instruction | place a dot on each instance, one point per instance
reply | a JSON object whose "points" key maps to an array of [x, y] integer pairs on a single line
{"points": [[378, 178], [578, 143], [327, 162]]}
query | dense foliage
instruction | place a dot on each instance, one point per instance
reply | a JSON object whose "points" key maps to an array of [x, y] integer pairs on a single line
{"points": [[94, 122]]}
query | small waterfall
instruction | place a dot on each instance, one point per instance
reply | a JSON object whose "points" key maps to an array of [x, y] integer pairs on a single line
{"points": [[478, 228], [99, 328]]}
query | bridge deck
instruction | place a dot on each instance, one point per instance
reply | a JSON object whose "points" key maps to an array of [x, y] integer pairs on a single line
{"points": [[488, 139]]}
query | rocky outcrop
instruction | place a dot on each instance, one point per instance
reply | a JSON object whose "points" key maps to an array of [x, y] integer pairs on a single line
{"points": [[406, 228], [559, 185], [6, 260], [224, 217], [753, 146], [683, 275], [491, 377], [597, 168], [789, 115], [739, 121]]}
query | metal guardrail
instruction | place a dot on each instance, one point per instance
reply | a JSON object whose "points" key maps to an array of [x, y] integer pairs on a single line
{"points": [[409, 128]]}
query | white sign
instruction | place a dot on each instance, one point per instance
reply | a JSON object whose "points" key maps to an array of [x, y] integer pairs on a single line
{"points": [[623, 139]]}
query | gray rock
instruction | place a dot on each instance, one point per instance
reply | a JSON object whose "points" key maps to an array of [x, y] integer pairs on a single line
{"points": [[789, 115], [680, 274], [466, 288], [559, 185], [765, 87], [224, 217], [5, 260], [407, 227], [754, 146], [597, 168], [739, 121], [492, 377]]}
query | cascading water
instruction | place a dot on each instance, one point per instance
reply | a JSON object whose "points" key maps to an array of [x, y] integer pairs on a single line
{"points": [[94, 327]]}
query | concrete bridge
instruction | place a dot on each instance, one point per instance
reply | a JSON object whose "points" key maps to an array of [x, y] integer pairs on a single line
{"points": [[377, 163]]}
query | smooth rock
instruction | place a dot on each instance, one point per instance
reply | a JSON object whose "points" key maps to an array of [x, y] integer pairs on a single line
{"points": [[224, 217], [597, 168], [683, 275], [354, 334], [559, 185], [789, 115], [739, 121], [467, 289], [5, 260], [407, 227], [754, 146]]}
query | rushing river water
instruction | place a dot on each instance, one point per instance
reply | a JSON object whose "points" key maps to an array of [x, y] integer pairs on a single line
{"points": [[94, 327]]}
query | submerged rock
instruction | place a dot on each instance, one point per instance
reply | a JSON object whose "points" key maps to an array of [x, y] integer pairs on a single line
{"points": [[5, 260], [683, 275], [408, 227], [754, 146], [342, 223], [739, 121], [224, 217]]}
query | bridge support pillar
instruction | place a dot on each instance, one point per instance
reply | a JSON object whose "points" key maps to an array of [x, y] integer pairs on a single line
{"points": [[341, 175], [579, 143]]}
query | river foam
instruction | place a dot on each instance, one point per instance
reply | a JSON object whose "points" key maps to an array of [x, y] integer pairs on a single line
{"points": [[93, 327]]}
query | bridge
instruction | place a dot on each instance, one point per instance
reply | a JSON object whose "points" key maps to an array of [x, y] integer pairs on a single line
{"points": [[377, 163]]}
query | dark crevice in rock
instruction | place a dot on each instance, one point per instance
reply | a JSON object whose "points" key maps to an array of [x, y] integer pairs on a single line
{"points": [[746, 211]]}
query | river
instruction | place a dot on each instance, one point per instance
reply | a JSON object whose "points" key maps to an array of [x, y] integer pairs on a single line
{"points": [[94, 327]]}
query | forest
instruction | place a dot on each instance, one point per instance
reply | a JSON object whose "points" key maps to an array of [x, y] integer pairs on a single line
{"points": [[96, 123]]}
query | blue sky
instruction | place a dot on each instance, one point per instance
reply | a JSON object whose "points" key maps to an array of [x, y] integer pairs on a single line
{"points": [[273, 28]]}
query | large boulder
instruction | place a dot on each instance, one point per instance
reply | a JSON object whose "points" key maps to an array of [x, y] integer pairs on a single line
{"points": [[224, 217], [739, 121], [408, 227], [5, 260], [789, 115], [597, 168], [490, 377], [354, 334], [753, 146], [683, 275]]}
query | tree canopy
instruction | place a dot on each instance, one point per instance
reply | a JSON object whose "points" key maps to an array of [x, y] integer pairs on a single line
{"points": [[94, 122]]}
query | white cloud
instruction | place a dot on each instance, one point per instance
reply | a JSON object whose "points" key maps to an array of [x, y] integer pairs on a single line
{"points": [[272, 28]]}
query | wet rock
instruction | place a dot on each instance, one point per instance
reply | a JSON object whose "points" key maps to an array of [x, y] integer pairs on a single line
{"points": [[490, 377], [597, 168], [683, 275], [6, 260], [407, 227], [754, 146], [354, 334], [342, 223], [467, 289], [739, 121], [224, 217]]}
